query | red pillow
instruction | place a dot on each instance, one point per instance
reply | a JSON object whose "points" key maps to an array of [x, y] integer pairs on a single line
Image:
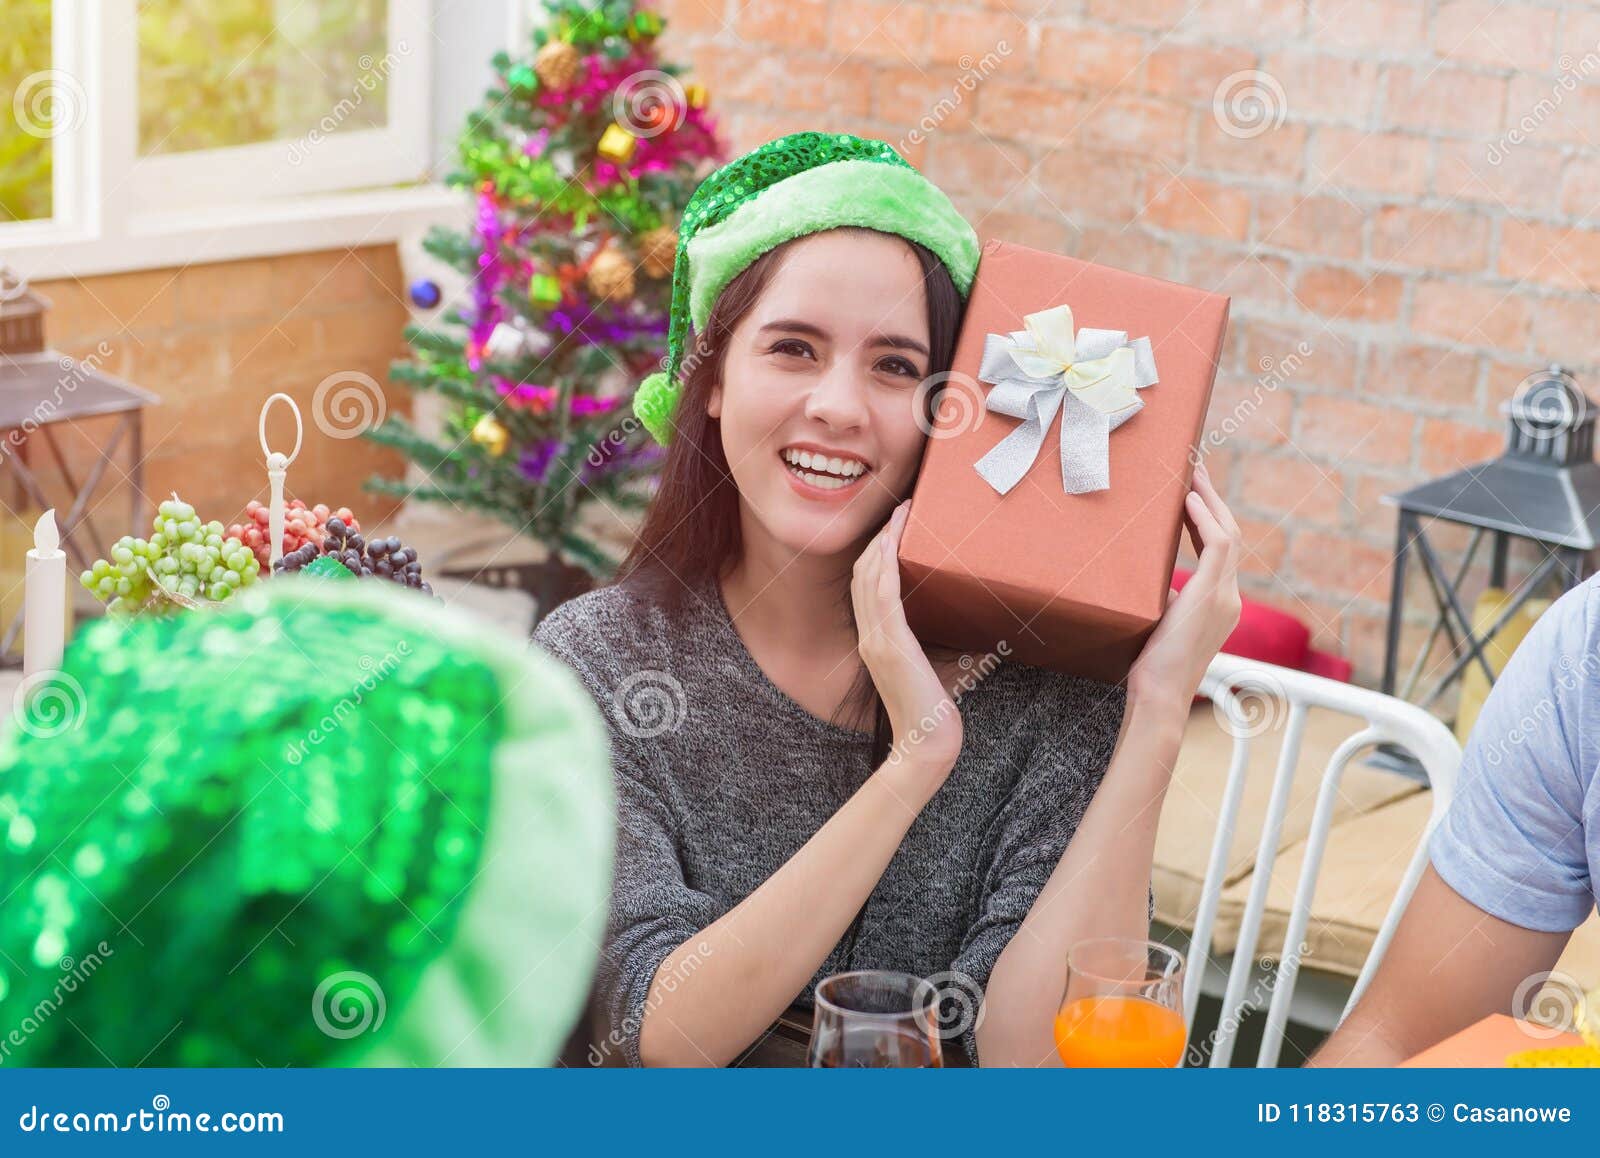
{"points": [[1264, 633], [1272, 636]]}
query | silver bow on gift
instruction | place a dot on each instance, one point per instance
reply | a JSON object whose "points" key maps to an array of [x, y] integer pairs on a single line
{"points": [[1092, 376]]}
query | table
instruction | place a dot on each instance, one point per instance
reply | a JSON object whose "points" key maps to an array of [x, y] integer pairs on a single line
{"points": [[1487, 1044]]}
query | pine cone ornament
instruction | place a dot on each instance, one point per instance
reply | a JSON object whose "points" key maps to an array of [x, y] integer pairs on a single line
{"points": [[658, 248], [611, 276], [557, 64]]}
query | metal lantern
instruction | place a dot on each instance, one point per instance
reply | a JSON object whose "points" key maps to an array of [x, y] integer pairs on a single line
{"points": [[1545, 488], [21, 316], [40, 388]]}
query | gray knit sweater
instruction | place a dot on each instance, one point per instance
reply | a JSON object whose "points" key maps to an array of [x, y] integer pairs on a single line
{"points": [[721, 777]]}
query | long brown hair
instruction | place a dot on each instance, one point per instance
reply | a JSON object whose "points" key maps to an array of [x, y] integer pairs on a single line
{"points": [[690, 534]]}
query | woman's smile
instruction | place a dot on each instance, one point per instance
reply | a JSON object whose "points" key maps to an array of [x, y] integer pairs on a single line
{"points": [[820, 474]]}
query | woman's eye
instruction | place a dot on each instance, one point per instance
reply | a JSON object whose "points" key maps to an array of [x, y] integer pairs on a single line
{"points": [[899, 366], [791, 346]]}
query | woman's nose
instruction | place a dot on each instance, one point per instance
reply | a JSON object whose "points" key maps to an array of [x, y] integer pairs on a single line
{"points": [[837, 398]]}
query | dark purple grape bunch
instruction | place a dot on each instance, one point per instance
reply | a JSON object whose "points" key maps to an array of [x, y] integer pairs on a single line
{"points": [[296, 559], [392, 560], [348, 547], [376, 558]]}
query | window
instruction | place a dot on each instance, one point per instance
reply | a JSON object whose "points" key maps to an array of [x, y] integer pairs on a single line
{"points": [[25, 152], [244, 99], [252, 71], [155, 132]]}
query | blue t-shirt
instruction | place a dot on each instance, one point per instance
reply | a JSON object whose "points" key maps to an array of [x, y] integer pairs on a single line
{"points": [[1521, 840]]}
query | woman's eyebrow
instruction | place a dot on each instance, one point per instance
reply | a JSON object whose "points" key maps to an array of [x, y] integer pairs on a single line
{"points": [[796, 326]]}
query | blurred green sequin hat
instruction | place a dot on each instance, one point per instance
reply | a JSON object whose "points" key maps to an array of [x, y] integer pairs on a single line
{"points": [[796, 185], [324, 824]]}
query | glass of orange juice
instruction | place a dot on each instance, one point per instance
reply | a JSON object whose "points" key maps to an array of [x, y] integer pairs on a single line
{"points": [[1123, 1007]]}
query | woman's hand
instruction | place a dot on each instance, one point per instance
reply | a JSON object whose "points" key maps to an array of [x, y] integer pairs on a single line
{"points": [[926, 724], [1199, 618]]}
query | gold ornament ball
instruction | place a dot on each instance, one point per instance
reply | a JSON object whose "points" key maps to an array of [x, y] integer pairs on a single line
{"points": [[557, 64], [658, 249], [491, 434], [611, 276]]}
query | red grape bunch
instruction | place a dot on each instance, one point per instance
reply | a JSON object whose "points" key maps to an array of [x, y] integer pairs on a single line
{"points": [[301, 525]]}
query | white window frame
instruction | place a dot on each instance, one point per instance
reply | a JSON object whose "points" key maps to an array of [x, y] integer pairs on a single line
{"points": [[115, 211]]}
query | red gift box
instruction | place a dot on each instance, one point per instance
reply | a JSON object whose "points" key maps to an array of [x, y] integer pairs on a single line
{"points": [[1074, 582]]}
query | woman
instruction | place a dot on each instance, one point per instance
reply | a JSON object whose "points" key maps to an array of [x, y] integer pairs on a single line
{"points": [[799, 792]]}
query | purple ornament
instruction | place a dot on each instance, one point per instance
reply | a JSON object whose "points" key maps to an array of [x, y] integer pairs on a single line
{"points": [[425, 293], [535, 462]]}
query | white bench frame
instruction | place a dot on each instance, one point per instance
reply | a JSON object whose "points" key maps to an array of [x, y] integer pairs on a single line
{"points": [[1231, 682]]}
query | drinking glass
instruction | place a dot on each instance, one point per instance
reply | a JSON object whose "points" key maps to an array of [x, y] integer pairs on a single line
{"points": [[875, 1018], [1123, 1005]]}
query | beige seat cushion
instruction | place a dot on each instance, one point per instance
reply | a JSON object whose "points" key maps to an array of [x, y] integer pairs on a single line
{"points": [[1361, 870], [1189, 816]]}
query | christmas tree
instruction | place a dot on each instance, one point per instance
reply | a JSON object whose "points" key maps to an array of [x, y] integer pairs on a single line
{"points": [[581, 161]]}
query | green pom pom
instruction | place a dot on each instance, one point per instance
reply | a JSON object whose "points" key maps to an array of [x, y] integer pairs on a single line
{"points": [[654, 404], [326, 567]]}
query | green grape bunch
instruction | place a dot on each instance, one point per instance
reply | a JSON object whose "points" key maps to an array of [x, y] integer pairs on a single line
{"points": [[183, 563]]}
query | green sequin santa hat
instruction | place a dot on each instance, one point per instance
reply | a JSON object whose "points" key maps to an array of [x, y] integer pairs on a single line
{"points": [[326, 823], [796, 185]]}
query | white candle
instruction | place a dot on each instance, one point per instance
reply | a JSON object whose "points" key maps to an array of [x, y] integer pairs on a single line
{"points": [[277, 468], [44, 599]]}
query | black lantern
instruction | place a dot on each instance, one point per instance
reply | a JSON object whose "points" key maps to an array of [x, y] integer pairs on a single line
{"points": [[1545, 488]]}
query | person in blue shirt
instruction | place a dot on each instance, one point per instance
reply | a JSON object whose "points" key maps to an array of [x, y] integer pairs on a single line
{"points": [[1514, 866]]}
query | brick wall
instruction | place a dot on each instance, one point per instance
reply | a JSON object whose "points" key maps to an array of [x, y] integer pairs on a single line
{"points": [[214, 341], [1423, 217]]}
